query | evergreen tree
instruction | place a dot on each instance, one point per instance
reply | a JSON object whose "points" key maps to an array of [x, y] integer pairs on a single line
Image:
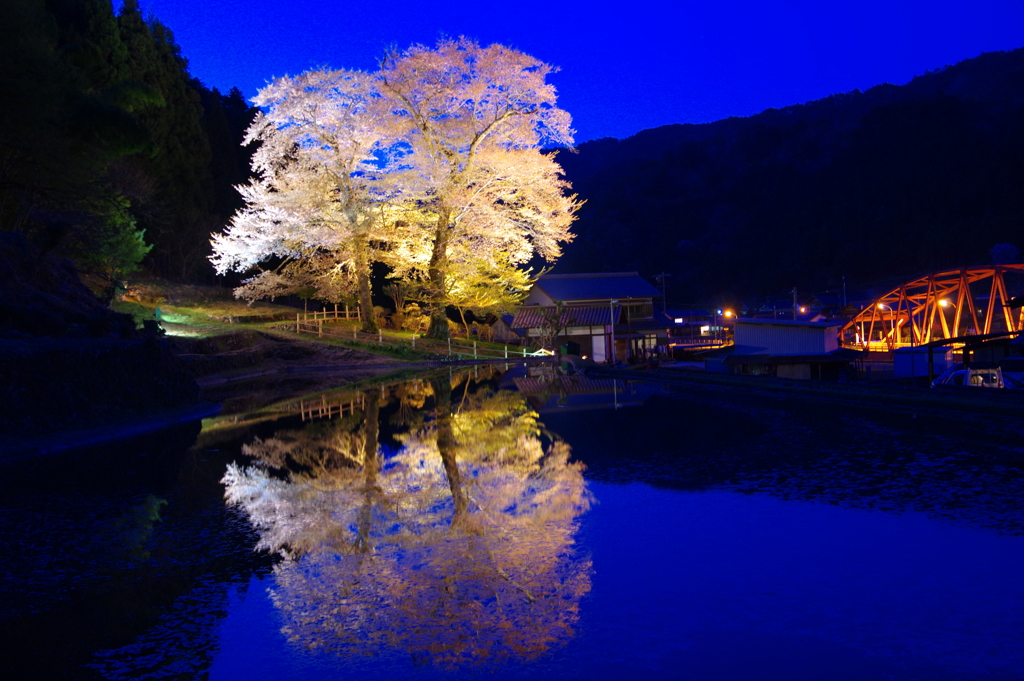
{"points": [[178, 158], [103, 125]]}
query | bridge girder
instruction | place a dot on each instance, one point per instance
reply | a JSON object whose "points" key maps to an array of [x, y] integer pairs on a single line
{"points": [[923, 308]]}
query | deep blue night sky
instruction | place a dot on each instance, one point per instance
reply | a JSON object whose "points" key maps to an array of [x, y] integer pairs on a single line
{"points": [[622, 70]]}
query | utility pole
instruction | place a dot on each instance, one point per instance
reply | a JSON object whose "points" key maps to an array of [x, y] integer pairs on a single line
{"points": [[611, 328], [664, 299], [796, 308]]}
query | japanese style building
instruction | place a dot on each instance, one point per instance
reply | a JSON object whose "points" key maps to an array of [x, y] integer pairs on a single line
{"points": [[589, 310]]}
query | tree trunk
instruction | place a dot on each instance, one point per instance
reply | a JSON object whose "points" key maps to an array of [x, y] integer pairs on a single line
{"points": [[370, 489], [446, 446], [436, 273], [363, 281]]}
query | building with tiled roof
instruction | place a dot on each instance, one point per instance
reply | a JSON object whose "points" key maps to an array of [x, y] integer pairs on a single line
{"points": [[592, 309]]}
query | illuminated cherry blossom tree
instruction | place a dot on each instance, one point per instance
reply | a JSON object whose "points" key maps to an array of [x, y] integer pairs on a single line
{"points": [[434, 165], [317, 203], [475, 119]]}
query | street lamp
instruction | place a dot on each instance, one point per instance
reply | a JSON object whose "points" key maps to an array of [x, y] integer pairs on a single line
{"points": [[867, 341]]}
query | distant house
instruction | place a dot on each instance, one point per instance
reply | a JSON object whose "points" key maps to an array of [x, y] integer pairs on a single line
{"points": [[782, 308], [688, 323], [591, 309], [502, 331], [807, 350], [813, 307], [681, 317]]}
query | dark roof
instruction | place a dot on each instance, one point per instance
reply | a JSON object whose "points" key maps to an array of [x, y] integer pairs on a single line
{"points": [[724, 351], [533, 316], [606, 286]]}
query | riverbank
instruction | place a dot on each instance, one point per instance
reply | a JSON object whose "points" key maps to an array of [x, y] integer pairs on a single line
{"points": [[20, 447], [61, 393], [53, 385], [889, 392]]}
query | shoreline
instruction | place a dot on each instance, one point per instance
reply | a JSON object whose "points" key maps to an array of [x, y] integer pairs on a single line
{"points": [[963, 399], [17, 449]]}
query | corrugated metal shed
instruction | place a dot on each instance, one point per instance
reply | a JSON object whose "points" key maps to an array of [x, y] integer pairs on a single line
{"points": [[783, 337]]}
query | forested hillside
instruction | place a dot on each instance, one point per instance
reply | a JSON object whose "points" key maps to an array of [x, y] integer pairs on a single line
{"points": [[866, 185], [104, 134]]}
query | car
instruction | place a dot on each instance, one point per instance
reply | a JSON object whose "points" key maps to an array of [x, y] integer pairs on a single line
{"points": [[951, 377], [991, 377]]}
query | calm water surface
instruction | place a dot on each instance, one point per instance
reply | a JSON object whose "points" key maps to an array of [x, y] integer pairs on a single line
{"points": [[497, 525]]}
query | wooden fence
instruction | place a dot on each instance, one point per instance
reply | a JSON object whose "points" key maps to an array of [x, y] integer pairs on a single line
{"points": [[448, 349], [340, 405], [329, 314]]}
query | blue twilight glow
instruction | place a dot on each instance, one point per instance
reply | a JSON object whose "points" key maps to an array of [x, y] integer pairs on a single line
{"points": [[625, 67]]}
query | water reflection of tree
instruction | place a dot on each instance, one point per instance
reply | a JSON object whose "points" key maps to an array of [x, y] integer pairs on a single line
{"points": [[457, 548]]}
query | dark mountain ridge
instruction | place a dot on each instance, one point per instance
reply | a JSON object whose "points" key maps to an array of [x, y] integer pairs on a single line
{"points": [[893, 181]]}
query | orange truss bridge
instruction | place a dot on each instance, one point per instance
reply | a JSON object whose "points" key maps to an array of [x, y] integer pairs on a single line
{"points": [[965, 302]]}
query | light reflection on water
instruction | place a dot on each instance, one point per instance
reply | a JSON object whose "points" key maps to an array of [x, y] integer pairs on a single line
{"points": [[717, 585], [441, 529]]}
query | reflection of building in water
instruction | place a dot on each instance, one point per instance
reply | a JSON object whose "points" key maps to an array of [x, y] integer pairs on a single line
{"points": [[547, 390], [455, 548]]}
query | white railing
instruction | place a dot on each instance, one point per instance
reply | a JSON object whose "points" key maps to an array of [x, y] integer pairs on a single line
{"points": [[447, 348]]}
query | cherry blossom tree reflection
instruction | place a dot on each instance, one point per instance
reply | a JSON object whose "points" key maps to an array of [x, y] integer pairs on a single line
{"points": [[456, 549]]}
